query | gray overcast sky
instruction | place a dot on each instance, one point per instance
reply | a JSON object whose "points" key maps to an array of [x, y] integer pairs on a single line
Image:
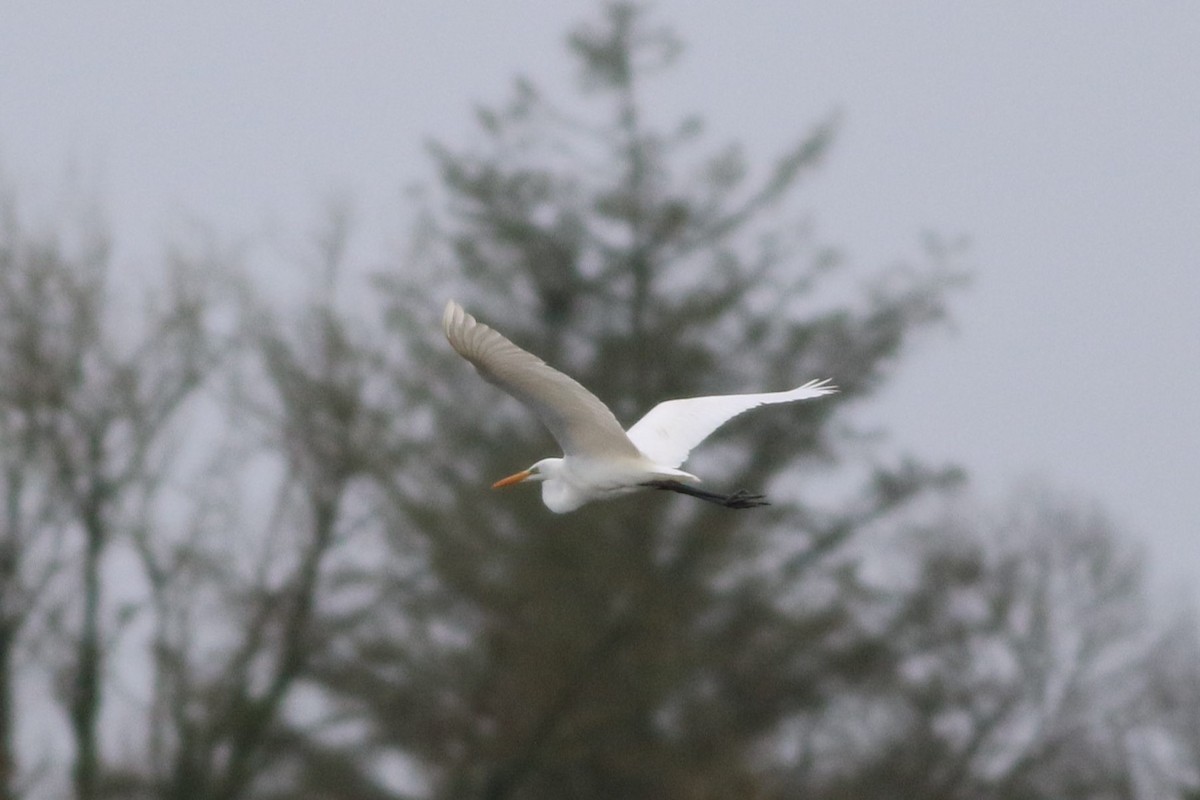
{"points": [[1062, 138]]}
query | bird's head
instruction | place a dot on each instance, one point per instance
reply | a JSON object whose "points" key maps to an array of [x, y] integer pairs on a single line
{"points": [[543, 470]]}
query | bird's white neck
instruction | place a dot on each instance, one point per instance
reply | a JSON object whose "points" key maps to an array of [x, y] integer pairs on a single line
{"points": [[558, 492]]}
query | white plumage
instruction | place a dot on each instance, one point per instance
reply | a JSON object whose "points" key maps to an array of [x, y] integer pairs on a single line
{"points": [[600, 459]]}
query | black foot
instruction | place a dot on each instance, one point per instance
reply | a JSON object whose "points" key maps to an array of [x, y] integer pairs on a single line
{"points": [[739, 499], [743, 499]]}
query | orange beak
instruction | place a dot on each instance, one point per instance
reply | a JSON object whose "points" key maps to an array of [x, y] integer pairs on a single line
{"points": [[512, 479]]}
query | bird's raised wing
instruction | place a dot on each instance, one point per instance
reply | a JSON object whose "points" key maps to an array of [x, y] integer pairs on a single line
{"points": [[580, 423], [671, 429]]}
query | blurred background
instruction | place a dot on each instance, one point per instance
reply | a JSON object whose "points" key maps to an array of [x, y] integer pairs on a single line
{"points": [[247, 549]]}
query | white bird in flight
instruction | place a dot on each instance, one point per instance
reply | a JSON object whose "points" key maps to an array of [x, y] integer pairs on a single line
{"points": [[601, 460]]}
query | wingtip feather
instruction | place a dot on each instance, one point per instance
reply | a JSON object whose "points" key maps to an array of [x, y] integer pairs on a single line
{"points": [[821, 386], [455, 321], [450, 315]]}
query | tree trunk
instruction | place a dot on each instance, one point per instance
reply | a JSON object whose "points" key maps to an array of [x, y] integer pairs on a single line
{"points": [[85, 702], [8, 763]]}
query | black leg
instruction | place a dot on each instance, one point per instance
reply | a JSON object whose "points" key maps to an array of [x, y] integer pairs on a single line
{"points": [[739, 499]]}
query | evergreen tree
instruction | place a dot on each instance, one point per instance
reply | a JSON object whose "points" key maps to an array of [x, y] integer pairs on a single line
{"points": [[652, 647]]}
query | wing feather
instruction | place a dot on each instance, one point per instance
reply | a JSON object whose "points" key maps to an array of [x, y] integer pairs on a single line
{"points": [[671, 429], [578, 420]]}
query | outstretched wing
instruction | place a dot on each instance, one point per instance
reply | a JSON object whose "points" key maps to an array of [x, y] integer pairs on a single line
{"points": [[671, 429], [580, 423]]}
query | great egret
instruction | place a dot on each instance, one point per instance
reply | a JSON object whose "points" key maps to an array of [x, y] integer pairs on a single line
{"points": [[600, 459]]}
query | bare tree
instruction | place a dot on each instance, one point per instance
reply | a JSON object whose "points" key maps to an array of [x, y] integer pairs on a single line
{"points": [[90, 394], [1171, 725], [31, 533], [303, 416], [1021, 649]]}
